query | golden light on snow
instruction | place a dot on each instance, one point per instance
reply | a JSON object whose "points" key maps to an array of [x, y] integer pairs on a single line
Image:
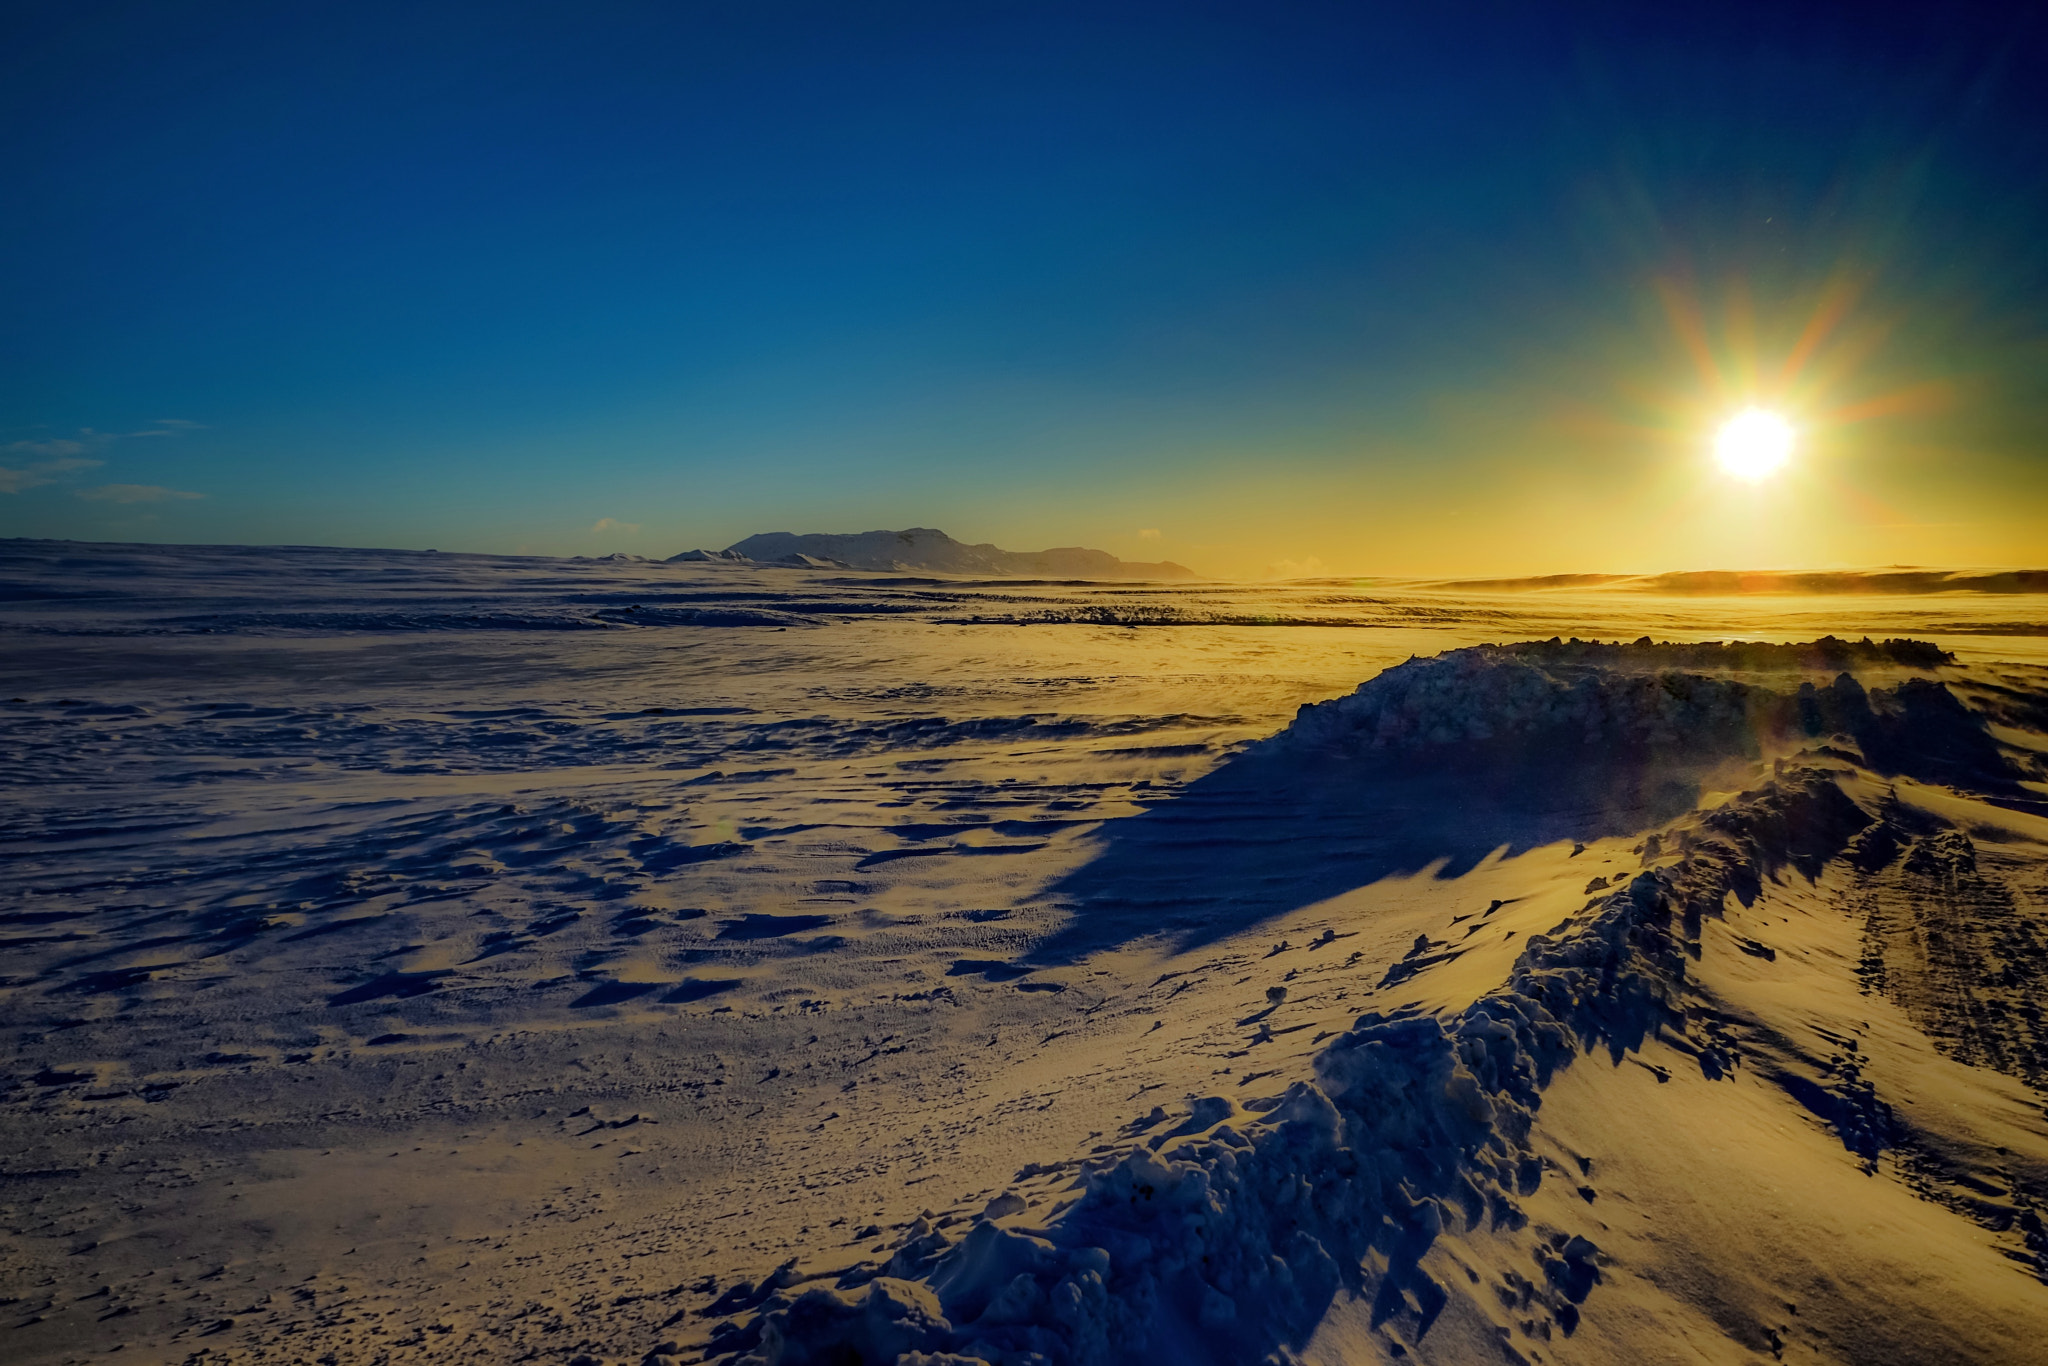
{"points": [[1754, 444]]}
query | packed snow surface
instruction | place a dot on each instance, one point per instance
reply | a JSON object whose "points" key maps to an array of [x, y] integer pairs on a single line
{"points": [[439, 957]]}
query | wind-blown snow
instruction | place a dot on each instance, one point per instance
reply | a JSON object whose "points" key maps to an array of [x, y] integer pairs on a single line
{"points": [[495, 958]]}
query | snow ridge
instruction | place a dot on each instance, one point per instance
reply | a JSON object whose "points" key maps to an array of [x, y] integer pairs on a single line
{"points": [[1542, 702], [1229, 1243]]}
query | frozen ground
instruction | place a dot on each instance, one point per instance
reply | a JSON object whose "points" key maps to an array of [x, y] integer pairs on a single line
{"points": [[423, 957]]}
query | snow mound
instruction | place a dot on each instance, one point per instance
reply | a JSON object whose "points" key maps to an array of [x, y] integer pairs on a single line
{"points": [[1547, 700], [1233, 1238]]}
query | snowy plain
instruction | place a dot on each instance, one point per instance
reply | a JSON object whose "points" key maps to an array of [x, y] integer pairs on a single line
{"points": [[420, 957]]}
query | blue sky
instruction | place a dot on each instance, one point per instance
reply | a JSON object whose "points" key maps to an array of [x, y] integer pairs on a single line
{"points": [[1370, 288]]}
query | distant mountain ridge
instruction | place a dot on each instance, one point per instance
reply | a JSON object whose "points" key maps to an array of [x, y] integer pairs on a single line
{"points": [[1898, 580], [927, 550]]}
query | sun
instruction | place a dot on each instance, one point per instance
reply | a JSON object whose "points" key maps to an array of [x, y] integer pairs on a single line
{"points": [[1754, 444]]}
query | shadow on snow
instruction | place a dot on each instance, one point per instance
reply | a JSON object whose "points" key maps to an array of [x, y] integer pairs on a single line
{"points": [[1271, 832]]}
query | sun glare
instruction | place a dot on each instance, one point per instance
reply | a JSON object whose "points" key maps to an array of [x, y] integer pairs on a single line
{"points": [[1754, 444]]}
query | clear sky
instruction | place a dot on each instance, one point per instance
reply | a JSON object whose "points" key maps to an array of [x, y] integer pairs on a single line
{"points": [[1260, 287]]}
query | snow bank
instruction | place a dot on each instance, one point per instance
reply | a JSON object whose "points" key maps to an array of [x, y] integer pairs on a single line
{"points": [[1228, 1242], [1545, 700]]}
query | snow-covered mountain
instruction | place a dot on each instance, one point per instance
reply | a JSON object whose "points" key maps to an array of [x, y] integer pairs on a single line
{"points": [[926, 550]]}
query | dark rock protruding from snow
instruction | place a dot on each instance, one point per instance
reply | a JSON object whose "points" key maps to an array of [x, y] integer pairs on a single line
{"points": [[923, 550]]}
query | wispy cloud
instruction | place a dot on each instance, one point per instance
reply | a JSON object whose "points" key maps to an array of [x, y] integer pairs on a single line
{"points": [[135, 493], [42, 472], [57, 447], [1150, 533], [615, 525], [48, 459]]}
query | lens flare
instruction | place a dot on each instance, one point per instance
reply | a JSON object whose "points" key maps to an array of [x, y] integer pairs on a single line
{"points": [[1754, 444]]}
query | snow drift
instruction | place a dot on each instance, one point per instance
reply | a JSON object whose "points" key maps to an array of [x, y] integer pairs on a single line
{"points": [[1230, 1240], [1227, 1238], [1657, 703]]}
